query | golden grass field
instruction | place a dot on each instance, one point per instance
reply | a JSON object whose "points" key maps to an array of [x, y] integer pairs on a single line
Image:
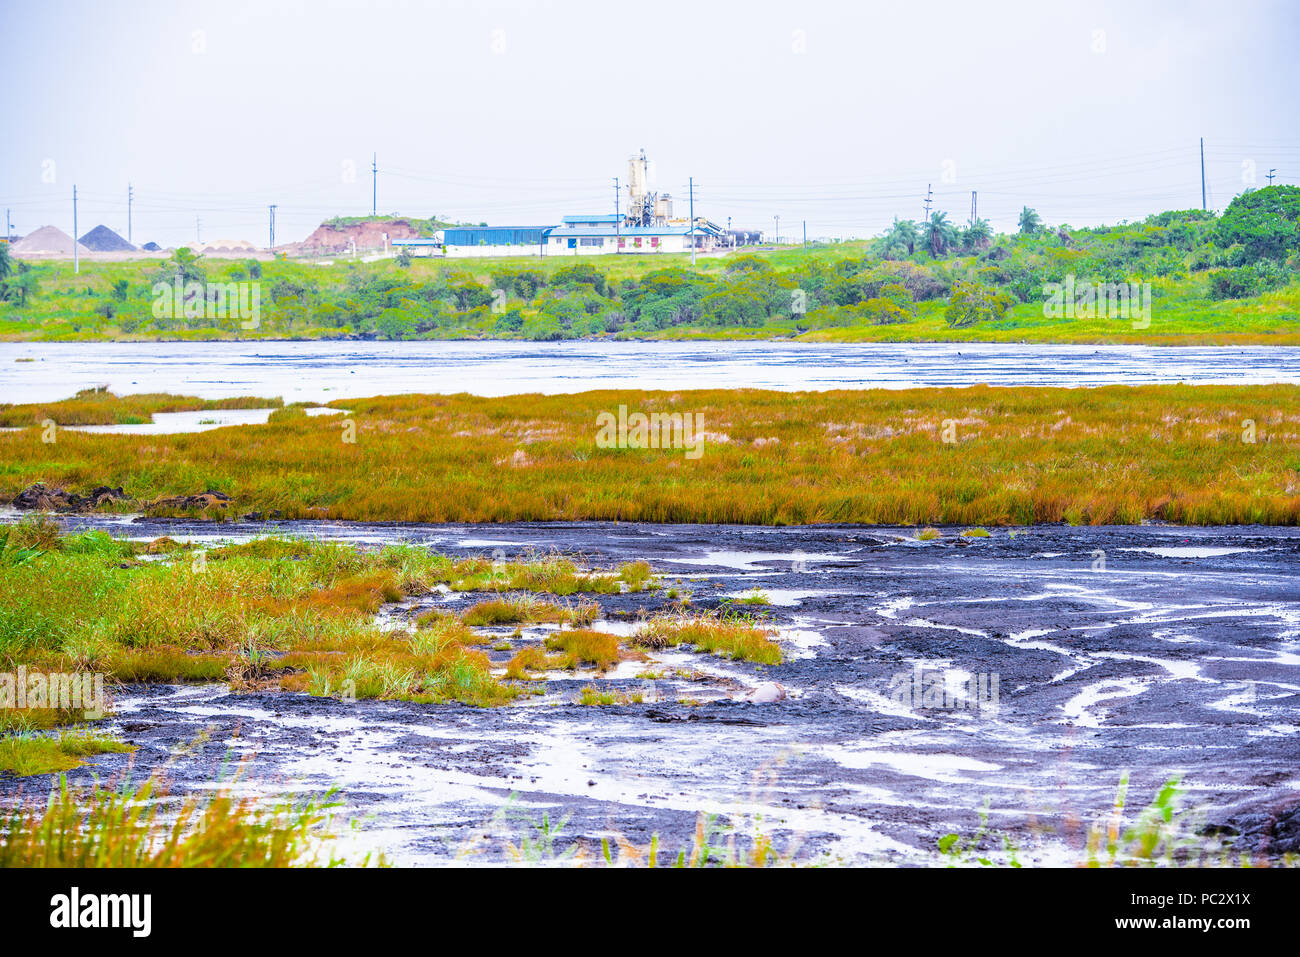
{"points": [[1119, 454]]}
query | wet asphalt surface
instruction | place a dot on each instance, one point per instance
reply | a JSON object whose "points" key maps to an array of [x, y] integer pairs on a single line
{"points": [[1150, 651]]}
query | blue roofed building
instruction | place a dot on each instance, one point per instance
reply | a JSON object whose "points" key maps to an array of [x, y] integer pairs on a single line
{"points": [[495, 240], [594, 235]]}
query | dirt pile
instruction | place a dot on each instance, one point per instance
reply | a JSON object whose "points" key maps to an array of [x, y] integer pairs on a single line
{"points": [[242, 246], [101, 239], [329, 240], [46, 241]]}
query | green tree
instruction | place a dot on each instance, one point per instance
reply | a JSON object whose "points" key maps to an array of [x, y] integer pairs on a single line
{"points": [[974, 302], [939, 234], [1264, 222], [978, 235], [185, 263], [21, 285], [394, 324], [512, 320], [901, 236], [580, 274]]}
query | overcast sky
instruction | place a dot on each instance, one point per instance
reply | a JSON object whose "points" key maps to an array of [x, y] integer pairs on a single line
{"points": [[517, 112]]}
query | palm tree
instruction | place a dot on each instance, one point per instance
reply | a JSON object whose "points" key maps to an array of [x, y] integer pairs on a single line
{"points": [[901, 235], [23, 285], [1029, 221], [978, 235], [939, 233]]}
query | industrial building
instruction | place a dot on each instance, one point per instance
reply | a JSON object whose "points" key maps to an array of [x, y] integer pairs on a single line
{"points": [[647, 226], [494, 240]]}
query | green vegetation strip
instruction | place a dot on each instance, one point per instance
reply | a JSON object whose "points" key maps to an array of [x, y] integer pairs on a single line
{"points": [[978, 456], [1198, 278]]}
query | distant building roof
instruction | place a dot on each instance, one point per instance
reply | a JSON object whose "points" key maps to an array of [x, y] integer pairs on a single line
{"points": [[561, 231], [494, 235]]}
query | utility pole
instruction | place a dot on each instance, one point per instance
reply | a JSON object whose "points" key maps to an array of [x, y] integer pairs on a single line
{"points": [[972, 208], [76, 246], [928, 194], [1203, 206], [618, 232], [130, 195], [691, 181], [271, 208], [374, 185], [1270, 176]]}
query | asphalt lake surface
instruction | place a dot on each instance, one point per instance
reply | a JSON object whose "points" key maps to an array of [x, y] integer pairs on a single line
{"points": [[1018, 676]]}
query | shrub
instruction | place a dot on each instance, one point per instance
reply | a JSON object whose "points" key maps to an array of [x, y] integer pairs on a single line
{"points": [[974, 302]]}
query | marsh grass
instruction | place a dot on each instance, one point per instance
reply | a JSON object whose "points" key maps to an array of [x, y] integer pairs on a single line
{"points": [[260, 614], [1163, 833], [636, 575], [100, 407], [1110, 455], [719, 840], [521, 608], [567, 651], [731, 635], [605, 697], [103, 827], [24, 753], [583, 647]]}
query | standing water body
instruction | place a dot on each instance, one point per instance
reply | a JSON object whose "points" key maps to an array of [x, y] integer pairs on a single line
{"points": [[324, 370]]}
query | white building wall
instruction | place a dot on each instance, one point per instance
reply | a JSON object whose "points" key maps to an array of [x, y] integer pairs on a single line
{"points": [[473, 252], [559, 245]]}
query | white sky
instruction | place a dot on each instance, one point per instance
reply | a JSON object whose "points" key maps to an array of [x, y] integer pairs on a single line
{"points": [[517, 112]]}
